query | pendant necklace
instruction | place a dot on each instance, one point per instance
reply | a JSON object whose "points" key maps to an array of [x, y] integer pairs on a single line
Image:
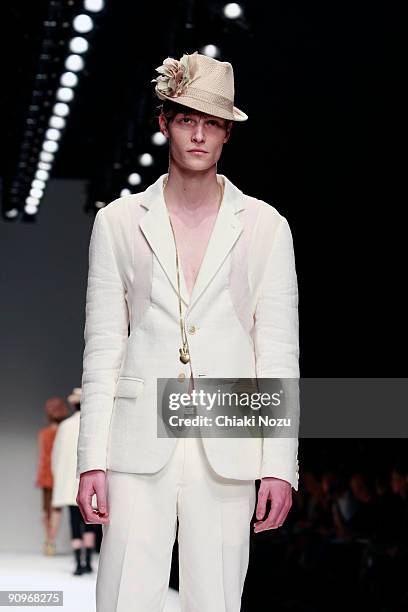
{"points": [[184, 352]]}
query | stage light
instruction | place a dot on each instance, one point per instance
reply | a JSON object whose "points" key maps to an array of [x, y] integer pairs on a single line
{"points": [[65, 94], [75, 63], [134, 178], [69, 79], [44, 166], [12, 213], [57, 122], [82, 24], [159, 139], [46, 156], [50, 146], [37, 184], [100, 204], [61, 109], [125, 192], [30, 209], [94, 6], [32, 201], [232, 10], [78, 44], [42, 175], [36, 193], [53, 134], [211, 50], [145, 159]]}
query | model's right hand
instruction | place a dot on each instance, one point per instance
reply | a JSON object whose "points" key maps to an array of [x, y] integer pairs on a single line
{"points": [[90, 483]]}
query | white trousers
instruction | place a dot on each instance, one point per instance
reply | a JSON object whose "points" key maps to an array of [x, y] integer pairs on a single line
{"points": [[214, 515]]}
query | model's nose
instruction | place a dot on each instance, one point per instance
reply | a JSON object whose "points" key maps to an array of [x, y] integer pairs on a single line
{"points": [[198, 134]]}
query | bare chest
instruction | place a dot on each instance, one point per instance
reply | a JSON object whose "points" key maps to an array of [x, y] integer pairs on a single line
{"points": [[192, 244]]}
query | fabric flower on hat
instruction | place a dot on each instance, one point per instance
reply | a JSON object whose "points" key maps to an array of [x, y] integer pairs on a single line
{"points": [[174, 77]]}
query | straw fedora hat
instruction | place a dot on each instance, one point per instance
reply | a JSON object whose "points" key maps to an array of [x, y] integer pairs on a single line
{"points": [[200, 82], [75, 397]]}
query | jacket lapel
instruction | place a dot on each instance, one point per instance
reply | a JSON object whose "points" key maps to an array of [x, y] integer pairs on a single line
{"points": [[155, 225]]}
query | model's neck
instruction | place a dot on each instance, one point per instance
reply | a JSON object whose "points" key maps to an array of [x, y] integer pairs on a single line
{"points": [[192, 190]]}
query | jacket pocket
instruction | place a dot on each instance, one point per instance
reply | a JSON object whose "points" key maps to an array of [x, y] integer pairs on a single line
{"points": [[129, 387]]}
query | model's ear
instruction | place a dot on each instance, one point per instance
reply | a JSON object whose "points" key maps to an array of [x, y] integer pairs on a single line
{"points": [[163, 126], [228, 131]]}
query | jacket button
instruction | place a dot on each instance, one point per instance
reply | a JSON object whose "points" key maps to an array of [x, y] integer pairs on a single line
{"points": [[192, 329], [181, 377]]}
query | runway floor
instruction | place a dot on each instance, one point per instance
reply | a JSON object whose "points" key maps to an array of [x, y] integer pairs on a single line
{"points": [[22, 572]]}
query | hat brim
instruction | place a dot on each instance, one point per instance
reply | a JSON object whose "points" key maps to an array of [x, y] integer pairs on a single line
{"points": [[207, 107]]}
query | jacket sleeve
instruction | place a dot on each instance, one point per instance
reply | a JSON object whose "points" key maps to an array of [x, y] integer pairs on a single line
{"points": [[276, 339], [106, 332]]}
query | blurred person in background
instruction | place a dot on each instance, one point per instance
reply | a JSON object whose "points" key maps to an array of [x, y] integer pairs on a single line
{"points": [[396, 503], [63, 462], [399, 482], [363, 523], [56, 410]]}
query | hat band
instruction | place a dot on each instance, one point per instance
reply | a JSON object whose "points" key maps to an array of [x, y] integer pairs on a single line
{"points": [[211, 98]]}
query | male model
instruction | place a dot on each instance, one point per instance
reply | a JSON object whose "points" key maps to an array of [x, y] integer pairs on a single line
{"points": [[204, 278]]}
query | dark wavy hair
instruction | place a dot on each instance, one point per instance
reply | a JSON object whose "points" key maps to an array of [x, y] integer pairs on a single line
{"points": [[170, 109]]}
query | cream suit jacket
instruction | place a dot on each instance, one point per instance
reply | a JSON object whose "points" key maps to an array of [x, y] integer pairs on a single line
{"points": [[236, 326]]}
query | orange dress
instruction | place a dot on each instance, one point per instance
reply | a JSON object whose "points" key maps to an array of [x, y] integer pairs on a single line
{"points": [[46, 437]]}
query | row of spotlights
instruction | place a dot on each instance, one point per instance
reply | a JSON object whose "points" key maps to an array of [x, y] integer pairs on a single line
{"points": [[74, 63]]}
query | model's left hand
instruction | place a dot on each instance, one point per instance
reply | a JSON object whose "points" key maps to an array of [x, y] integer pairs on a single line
{"points": [[280, 493]]}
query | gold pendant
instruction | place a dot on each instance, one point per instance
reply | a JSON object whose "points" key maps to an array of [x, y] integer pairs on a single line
{"points": [[184, 356]]}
